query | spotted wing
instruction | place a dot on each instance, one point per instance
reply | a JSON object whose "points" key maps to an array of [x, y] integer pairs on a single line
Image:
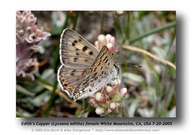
{"points": [[76, 56], [99, 74], [75, 50]]}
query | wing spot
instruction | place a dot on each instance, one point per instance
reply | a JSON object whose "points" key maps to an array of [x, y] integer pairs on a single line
{"points": [[83, 72], [77, 53], [84, 48], [102, 55], [74, 42], [94, 74], [90, 53], [95, 69], [75, 59], [86, 85], [99, 63], [72, 74], [106, 60], [74, 70]]}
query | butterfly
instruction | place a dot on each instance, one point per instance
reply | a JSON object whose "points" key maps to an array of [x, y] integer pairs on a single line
{"points": [[84, 69]]}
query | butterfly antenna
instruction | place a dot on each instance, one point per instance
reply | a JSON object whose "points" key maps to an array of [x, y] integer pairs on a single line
{"points": [[133, 65]]}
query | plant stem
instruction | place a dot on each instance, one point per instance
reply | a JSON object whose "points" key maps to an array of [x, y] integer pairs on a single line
{"points": [[164, 27], [75, 20], [128, 47]]}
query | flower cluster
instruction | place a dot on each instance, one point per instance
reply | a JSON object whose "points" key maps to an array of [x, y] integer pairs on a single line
{"points": [[28, 35], [108, 99], [107, 40]]}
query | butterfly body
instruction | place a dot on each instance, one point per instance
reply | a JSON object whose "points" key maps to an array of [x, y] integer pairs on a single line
{"points": [[84, 68]]}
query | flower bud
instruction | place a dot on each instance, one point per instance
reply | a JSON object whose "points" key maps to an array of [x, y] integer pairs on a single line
{"points": [[110, 47], [99, 110], [112, 40], [108, 36], [100, 97], [110, 90], [123, 91], [102, 39], [112, 105]]}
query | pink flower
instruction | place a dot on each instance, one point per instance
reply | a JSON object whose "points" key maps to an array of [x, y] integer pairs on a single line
{"points": [[107, 40], [108, 98], [113, 105], [110, 90], [123, 92], [100, 97], [28, 35], [100, 110], [27, 28]]}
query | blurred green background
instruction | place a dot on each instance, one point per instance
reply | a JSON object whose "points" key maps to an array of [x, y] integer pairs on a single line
{"points": [[151, 88]]}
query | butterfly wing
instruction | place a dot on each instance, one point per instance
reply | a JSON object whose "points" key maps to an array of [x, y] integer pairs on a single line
{"points": [[70, 77], [76, 56], [75, 50], [99, 74]]}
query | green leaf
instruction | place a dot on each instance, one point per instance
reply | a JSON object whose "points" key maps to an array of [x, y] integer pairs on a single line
{"points": [[133, 77], [155, 82], [160, 52], [156, 30], [133, 107], [24, 91]]}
